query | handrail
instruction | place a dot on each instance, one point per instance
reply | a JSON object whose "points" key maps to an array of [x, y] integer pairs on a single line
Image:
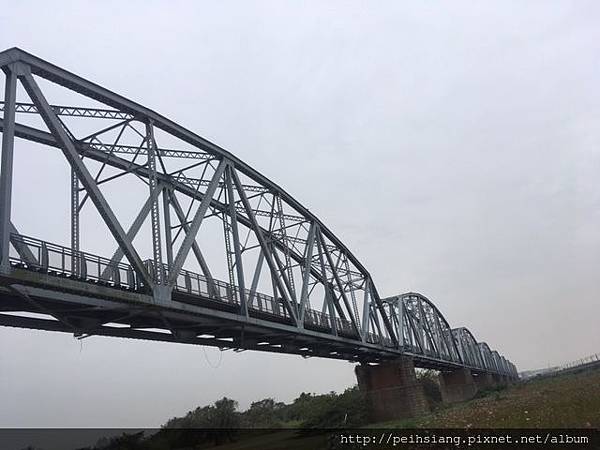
{"points": [[62, 261]]}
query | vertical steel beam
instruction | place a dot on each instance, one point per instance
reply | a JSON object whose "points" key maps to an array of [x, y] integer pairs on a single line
{"points": [[286, 251], [86, 179], [374, 310], [366, 312], [168, 235], [400, 337], [154, 210], [308, 254], [6, 170], [437, 333], [352, 293], [237, 250], [75, 259], [228, 251], [479, 355], [422, 323]]}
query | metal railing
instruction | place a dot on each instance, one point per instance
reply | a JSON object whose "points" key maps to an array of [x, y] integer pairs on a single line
{"points": [[35, 254], [580, 362], [62, 261]]}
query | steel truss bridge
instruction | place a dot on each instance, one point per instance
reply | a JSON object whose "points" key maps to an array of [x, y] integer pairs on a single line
{"points": [[290, 285]]}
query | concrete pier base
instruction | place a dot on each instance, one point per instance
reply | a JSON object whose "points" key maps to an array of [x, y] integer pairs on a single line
{"points": [[392, 389], [500, 380], [484, 381], [457, 386]]}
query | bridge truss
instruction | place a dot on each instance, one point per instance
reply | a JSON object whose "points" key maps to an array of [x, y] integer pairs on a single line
{"points": [[290, 285]]}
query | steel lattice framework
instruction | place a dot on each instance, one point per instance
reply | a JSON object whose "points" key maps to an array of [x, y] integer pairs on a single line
{"points": [[321, 301]]}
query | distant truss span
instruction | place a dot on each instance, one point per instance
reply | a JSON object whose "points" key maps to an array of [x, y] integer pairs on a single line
{"points": [[321, 300]]}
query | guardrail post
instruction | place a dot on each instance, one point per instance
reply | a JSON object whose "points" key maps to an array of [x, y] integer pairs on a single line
{"points": [[116, 275], [44, 256], [82, 266], [131, 278]]}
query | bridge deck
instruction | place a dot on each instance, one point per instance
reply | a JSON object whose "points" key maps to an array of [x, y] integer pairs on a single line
{"points": [[91, 303]]}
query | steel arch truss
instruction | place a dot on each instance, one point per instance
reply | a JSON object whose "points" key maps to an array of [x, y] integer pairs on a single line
{"points": [[284, 279], [425, 334]]}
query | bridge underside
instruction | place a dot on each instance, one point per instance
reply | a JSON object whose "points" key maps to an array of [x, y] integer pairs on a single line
{"points": [[34, 299]]}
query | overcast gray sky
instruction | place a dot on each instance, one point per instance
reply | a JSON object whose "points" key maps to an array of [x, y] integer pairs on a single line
{"points": [[454, 147]]}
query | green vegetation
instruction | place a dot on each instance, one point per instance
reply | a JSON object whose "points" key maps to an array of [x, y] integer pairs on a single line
{"points": [[332, 410], [565, 401]]}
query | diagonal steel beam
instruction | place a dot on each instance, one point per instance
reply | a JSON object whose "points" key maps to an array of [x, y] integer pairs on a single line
{"points": [[310, 242], [22, 249], [190, 237], [338, 282], [256, 277], [195, 247], [86, 179], [284, 277], [328, 301], [264, 247], [131, 233]]}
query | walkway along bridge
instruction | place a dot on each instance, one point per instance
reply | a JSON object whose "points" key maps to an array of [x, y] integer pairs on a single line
{"points": [[321, 301]]}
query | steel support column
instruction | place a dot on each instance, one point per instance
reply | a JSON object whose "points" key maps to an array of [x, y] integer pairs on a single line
{"points": [[154, 211], [6, 170], [75, 260], [237, 251], [167, 213]]}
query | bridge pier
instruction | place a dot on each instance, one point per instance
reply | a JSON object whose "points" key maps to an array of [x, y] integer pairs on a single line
{"points": [[484, 381], [500, 380], [392, 389], [457, 386]]}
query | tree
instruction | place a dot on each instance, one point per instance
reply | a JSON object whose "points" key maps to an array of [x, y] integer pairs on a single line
{"points": [[225, 414], [348, 409], [264, 413]]}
